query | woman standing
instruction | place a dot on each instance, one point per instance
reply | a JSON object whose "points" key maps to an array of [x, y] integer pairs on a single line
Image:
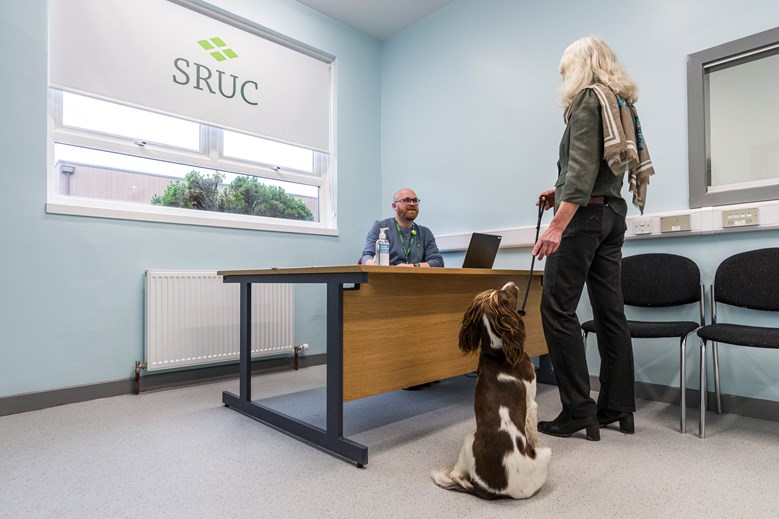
{"points": [[602, 141]]}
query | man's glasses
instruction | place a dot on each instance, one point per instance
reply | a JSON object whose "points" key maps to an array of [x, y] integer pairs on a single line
{"points": [[414, 201]]}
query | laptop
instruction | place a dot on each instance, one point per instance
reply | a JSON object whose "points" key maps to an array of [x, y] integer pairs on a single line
{"points": [[481, 251]]}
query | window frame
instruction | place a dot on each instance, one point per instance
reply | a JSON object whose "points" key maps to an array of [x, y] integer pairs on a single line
{"points": [[698, 155], [210, 156]]}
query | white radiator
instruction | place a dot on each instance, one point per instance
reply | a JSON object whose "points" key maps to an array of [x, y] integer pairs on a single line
{"points": [[192, 318]]}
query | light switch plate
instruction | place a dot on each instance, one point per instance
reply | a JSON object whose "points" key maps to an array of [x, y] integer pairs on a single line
{"points": [[740, 217], [675, 223]]}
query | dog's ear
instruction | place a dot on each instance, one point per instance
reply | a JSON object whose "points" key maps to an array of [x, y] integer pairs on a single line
{"points": [[470, 330], [509, 326], [514, 341]]}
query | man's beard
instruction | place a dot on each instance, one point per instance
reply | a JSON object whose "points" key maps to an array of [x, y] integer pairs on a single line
{"points": [[406, 216]]}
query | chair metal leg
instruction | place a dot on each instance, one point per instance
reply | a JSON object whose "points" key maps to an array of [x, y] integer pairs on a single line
{"points": [[702, 418], [715, 357], [683, 385]]}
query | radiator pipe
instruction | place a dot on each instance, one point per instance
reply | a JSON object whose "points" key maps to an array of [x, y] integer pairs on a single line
{"points": [[142, 365], [138, 367], [296, 350]]}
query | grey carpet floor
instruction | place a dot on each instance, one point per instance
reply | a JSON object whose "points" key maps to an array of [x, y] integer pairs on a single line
{"points": [[181, 453]]}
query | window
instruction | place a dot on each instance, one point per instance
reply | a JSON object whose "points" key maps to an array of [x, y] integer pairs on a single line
{"points": [[732, 106], [227, 157], [107, 152]]}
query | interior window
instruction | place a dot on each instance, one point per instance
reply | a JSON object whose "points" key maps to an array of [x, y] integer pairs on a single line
{"points": [[732, 107]]}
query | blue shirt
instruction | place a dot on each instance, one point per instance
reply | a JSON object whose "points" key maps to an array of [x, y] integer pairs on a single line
{"points": [[423, 246]]}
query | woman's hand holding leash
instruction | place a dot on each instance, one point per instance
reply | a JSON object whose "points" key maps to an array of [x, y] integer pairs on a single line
{"points": [[545, 202], [546, 198], [550, 240]]}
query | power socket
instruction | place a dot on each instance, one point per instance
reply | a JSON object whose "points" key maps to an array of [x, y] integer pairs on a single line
{"points": [[641, 225], [740, 217]]}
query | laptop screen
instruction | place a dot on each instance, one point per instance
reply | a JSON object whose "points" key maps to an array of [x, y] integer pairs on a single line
{"points": [[481, 251]]}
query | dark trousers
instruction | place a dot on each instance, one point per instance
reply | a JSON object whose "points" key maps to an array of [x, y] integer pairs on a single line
{"points": [[590, 251]]}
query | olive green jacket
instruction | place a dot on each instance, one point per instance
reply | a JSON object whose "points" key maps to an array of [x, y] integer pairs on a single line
{"points": [[582, 171]]}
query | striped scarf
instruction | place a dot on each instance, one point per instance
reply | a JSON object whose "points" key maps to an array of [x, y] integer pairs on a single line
{"points": [[624, 148]]}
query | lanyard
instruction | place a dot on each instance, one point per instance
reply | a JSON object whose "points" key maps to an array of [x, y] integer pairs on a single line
{"points": [[406, 251]]}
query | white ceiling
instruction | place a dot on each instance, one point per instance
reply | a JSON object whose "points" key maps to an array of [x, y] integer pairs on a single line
{"points": [[378, 18]]}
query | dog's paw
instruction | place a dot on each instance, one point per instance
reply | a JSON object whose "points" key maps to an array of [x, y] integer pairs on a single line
{"points": [[442, 477], [450, 480]]}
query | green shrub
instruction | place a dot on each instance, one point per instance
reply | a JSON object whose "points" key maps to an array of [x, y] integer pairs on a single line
{"points": [[244, 195]]}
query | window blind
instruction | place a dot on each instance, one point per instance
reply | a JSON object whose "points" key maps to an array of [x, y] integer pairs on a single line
{"points": [[160, 55]]}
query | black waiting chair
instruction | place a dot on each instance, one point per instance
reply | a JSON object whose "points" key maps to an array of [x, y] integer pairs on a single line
{"points": [[747, 280], [661, 280]]}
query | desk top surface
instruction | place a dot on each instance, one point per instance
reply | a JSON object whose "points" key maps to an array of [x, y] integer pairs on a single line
{"points": [[372, 269]]}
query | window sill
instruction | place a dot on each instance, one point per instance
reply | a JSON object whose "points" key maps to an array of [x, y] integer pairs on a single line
{"points": [[142, 212]]}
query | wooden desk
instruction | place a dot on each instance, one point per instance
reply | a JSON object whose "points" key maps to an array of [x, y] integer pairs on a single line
{"points": [[387, 328]]}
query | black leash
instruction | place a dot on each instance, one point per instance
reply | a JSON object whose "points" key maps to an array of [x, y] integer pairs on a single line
{"points": [[541, 208]]}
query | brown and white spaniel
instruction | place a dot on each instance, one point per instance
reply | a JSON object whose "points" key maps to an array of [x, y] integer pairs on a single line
{"points": [[504, 457]]}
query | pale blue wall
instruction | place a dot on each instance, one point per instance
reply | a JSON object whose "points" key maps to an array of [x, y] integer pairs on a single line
{"points": [[71, 288], [460, 106], [470, 120]]}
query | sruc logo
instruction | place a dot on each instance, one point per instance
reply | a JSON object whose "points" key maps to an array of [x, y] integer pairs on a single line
{"points": [[203, 76], [217, 43]]}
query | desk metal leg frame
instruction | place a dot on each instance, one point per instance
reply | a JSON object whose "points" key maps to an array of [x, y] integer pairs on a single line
{"points": [[330, 439]]}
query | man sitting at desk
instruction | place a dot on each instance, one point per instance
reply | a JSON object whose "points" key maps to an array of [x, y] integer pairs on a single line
{"points": [[411, 245]]}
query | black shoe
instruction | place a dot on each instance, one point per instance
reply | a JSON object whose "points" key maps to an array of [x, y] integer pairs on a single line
{"points": [[626, 423], [563, 427]]}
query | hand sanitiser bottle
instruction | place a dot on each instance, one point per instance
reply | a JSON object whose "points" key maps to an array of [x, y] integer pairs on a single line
{"points": [[382, 249]]}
